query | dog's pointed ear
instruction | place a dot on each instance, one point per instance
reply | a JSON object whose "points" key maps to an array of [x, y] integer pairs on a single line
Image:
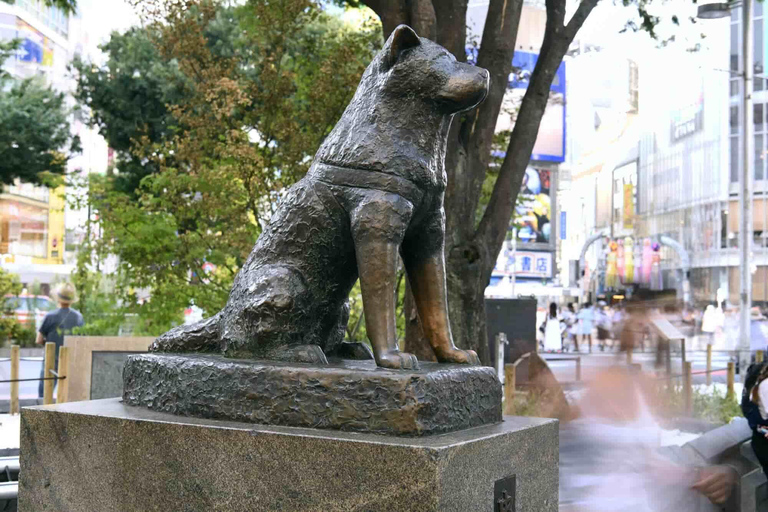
{"points": [[402, 38]]}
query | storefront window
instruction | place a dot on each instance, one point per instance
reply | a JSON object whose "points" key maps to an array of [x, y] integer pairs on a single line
{"points": [[23, 229]]}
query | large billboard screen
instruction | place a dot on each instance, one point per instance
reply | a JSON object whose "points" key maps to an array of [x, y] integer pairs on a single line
{"points": [[533, 211], [550, 141]]}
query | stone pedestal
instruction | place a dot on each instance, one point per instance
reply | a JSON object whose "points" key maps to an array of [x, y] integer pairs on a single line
{"points": [[345, 395], [104, 455]]}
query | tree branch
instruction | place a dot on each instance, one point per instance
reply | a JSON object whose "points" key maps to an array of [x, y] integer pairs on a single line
{"points": [[579, 17], [391, 13], [466, 171], [555, 15], [493, 226], [422, 18], [451, 18]]}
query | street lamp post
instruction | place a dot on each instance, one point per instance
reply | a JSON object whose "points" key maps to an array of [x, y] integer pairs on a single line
{"points": [[719, 10]]}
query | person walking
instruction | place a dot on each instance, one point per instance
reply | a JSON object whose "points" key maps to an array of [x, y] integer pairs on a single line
{"points": [[603, 320], [569, 318], [553, 340], [59, 323], [586, 318]]}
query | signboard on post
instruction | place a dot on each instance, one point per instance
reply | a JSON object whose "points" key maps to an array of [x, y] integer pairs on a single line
{"points": [[524, 264]]}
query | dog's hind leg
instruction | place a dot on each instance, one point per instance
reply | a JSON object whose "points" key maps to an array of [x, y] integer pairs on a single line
{"points": [[202, 336]]}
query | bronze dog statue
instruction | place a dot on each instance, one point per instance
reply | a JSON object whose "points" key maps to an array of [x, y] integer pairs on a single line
{"points": [[375, 187]]}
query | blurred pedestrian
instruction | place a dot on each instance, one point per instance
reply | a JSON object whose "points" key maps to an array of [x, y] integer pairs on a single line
{"points": [[569, 318], [59, 323], [632, 329], [553, 340], [708, 325], [603, 321], [586, 318], [610, 459]]}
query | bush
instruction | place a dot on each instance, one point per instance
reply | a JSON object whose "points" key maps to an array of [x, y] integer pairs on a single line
{"points": [[25, 335]]}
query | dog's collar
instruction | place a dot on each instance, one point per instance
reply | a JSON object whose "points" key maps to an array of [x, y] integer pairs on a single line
{"points": [[366, 178]]}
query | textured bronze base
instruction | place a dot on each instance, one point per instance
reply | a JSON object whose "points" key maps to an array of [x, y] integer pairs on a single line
{"points": [[345, 395]]}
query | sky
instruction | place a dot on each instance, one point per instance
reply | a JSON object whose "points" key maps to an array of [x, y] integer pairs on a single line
{"points": [[102, 17]]}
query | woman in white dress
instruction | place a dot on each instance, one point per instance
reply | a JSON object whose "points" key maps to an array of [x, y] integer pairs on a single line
{"points": [[553, 338]]}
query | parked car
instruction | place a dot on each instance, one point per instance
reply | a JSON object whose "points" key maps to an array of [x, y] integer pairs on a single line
{"points": [[29, 309]]}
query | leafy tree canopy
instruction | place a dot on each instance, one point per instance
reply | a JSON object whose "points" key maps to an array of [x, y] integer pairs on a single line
{"points": [[249, 94], [34, 129]]}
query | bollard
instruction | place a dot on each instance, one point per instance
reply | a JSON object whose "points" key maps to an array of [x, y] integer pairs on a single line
{"points": [[709, 365], [629, 356], [687, 388], [682, 349], [509, 387], [731, 378], [63, 393], [501, 340], [578, 368], [14, 376], [48, 365], [759, 356]]}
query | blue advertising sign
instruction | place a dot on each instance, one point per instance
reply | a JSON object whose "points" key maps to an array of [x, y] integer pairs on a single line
{"points": [[31, 51], [550, 142], [562, 225]]}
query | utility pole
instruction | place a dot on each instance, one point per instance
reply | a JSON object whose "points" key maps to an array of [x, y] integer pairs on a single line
{"points": [[722, 10], [745, 198]]}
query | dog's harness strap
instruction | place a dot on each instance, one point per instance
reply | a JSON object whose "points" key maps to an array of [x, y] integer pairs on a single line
{"points": [[366, 178]]}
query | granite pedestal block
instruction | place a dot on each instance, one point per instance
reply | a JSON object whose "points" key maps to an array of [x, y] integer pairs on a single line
{"points": [[345, 395], [105, 456]]}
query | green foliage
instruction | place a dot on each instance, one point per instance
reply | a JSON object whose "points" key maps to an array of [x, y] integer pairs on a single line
{"points": [[239, 100], [10, 328], [708, 404], [34, 130], [128, 98], [24, 335]]}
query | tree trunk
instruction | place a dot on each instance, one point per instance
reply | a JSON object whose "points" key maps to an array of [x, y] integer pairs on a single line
{"points": [[471, 249], [466, 301]]}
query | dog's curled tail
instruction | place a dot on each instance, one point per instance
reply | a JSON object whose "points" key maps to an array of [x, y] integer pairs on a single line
{"points": [[202, 336]]}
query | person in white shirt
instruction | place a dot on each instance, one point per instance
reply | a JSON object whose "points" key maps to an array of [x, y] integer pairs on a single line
{"points": [[553, 341]]}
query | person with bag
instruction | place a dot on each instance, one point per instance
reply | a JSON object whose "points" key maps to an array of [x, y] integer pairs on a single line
{"points": [[58, 323]]}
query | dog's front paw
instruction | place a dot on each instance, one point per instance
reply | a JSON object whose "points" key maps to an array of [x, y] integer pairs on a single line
{"points": [[398, 360], [459, 356]]}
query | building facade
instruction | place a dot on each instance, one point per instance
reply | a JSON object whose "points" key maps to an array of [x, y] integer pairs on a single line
{"points": [[652, 175], [34, 220]]}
